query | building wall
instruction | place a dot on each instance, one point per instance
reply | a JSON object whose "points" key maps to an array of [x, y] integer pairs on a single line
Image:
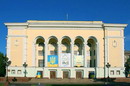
{"points": [[57, 33], [18, 46], [115, 58], [16, 51], [110, 45]]}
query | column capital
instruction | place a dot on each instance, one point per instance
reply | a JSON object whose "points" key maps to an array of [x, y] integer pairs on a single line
{"points": [[58, 43], [45, 42], [72, 43], [85, 43], [97, 43]]}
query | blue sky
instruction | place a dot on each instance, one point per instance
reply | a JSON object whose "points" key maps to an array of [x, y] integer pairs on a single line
{"points": [[108, 11]]}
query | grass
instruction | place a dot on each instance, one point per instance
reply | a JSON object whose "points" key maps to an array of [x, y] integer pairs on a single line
{"points": [[1, 84]]}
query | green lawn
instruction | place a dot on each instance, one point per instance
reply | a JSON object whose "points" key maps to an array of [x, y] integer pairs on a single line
{"points": [[1, 84]]}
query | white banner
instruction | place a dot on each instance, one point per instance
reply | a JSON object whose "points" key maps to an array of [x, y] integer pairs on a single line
{"points": [[65, 60], [78, 60]]}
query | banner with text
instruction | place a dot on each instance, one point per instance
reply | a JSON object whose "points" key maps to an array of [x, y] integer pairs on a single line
{"points": [[65, 60], [78, 61]]}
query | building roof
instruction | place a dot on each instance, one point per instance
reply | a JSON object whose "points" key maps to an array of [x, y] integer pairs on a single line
{"points": [[66, 24], [127, 52]]}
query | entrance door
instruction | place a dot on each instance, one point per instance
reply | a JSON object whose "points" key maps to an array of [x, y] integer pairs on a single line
{"points": [[78, 75], [65, 74], [52, 74]]}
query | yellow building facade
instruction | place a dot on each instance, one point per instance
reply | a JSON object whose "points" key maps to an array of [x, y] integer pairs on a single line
{"points": [[65, 49]]}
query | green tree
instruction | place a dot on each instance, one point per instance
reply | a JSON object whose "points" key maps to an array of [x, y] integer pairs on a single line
{"points": [[3, 60], [127, 67]]}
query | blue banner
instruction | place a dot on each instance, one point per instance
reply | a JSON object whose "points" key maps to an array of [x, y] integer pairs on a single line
{"points": [[52, 61]]}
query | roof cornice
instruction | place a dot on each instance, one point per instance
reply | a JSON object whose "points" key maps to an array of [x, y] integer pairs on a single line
{"points": [[115, 25], [65, 24], [16, 24]]}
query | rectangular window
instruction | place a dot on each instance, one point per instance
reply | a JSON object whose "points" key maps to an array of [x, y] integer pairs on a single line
{"points": [[40, 53], [55, 52], [64, 52], [90, 63], [118, 72], [75, 52], [52, 53], [40, 63], [19, 72], [94, 63], [90, 53], [94, 52], [8, 70], [112, 72], [12, 71]]}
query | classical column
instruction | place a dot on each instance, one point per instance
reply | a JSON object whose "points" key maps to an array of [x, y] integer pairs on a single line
{"points": [[105, 52], [8, 48], [123, 52], [85, 54], [34, 55], [59, 53], [72, 54], [122, 37], [97, 55], [46, 53]]}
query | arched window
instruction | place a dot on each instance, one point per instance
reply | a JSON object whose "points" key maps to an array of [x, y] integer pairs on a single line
{"points": [[78, 46], [52, 58], [53, 47], [92, 49], [78, 52], [66, 52], [40, 51], [66, 45]]}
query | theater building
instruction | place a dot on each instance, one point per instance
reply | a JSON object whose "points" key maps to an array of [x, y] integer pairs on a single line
{"points": [[65, 49]]}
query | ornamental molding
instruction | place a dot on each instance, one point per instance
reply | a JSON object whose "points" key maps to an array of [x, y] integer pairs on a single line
{"points": [[114, 37], [114, 43], [89, 25], [17, 36]]}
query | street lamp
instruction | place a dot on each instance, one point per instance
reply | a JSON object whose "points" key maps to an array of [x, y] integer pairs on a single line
{"points": [[7, 64], [25, 65], [108, 66]]}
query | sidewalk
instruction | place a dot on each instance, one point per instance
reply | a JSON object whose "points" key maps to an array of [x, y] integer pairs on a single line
{"points": [[26, 80], [65, 81]]}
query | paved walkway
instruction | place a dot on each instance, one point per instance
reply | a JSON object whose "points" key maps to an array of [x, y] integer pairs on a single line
{"points": [[66, 81], [71, 81]]}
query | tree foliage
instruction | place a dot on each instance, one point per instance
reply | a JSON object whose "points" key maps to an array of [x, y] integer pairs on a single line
{"points": [[127, 67], [127, 64], [3, 60]]}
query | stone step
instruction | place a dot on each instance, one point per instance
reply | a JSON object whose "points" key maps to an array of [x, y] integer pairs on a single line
{"points": [[80, 81], [122, 80]]}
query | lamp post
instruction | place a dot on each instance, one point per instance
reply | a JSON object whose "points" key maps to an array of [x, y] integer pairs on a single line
{"points": [[108, 66], [7, 64], [25, 65]]}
